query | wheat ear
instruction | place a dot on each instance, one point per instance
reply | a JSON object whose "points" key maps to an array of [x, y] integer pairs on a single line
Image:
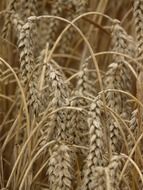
{"points": [[27, 67], [12, 7], [118, 77], [138, 17], [74, 9], [54, 24], [115, 168], [60, 168], [95, 155], [28, 8]]}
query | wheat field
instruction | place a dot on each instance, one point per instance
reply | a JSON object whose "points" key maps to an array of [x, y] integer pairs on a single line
{"points": [[71, 94]]}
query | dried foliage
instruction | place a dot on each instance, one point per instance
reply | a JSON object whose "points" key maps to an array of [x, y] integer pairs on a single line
{"points": [[71, 95]]}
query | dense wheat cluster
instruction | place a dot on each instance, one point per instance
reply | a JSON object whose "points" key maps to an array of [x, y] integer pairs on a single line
{"points": [[71, 94]]}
